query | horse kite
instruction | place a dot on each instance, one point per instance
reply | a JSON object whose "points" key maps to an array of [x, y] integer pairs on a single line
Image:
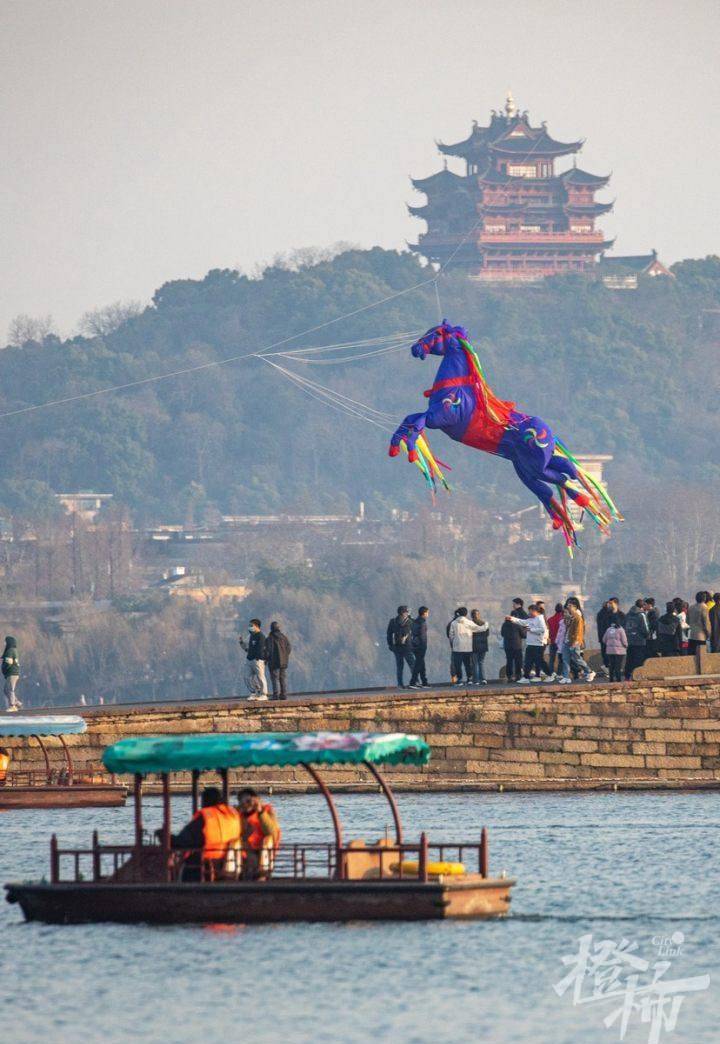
{"points": [[463, 406]]}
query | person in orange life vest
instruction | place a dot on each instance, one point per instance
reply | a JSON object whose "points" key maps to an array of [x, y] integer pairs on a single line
{"points": [[260, 834], [212, 831], [4, 764]]}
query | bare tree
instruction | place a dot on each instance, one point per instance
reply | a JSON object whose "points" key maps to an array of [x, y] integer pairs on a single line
{"points": [[26, 329], [99, 322], [302, 257]]}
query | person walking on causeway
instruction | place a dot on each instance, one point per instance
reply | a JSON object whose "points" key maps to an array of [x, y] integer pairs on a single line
{"points": [[698, 619], [399, 639], [512, 638], [615, 644], [669, 630], [255, 649], [11, 673], [462, 630], [277, 656], [537, 636], [638, 632], [419, 648], [573, 642], [480, 647]]}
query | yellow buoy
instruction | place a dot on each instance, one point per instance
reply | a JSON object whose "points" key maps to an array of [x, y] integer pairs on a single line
{"points": [[411, 866]]}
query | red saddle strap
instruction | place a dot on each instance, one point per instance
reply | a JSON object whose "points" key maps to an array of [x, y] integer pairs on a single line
{"points": [[451, 382]]}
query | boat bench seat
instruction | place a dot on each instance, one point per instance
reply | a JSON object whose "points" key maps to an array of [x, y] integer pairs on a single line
{"points": [[362, 864], [149, 866]]}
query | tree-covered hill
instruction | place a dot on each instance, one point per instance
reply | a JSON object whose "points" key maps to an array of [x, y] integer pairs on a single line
{"points": [[629, 373]]}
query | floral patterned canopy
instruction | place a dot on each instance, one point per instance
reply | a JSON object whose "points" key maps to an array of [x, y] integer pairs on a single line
{"points": [[242, 750]]}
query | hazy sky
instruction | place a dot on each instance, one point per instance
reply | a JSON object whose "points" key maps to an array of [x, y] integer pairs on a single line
{"points": [[145, 140]]}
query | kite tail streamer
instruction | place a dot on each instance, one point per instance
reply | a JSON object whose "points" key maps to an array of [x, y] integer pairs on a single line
{"points": [[428, 465], [434, 466], [594, 488], [562, 521]]}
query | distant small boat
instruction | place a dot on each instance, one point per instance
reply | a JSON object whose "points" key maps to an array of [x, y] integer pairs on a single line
{"points": [[337, 881], [55, 787]]}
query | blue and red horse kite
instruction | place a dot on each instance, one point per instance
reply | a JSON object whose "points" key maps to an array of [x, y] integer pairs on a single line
{"points": [[463, 406]]}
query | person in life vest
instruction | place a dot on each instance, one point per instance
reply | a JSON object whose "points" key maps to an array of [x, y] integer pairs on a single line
{"points": [[212, 833], [4, 764], [260, 835]]}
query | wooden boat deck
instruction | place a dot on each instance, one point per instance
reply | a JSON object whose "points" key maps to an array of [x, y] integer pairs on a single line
{"points": [[55, 795], [263, 902]]}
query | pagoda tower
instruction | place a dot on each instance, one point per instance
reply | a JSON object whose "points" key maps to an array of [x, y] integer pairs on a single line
{"points": [[511, 217]]}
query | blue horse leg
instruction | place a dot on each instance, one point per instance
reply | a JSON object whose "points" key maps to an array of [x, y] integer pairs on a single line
{"points": [[563, 465], [536, 485], [408, 432], [559, 470]]}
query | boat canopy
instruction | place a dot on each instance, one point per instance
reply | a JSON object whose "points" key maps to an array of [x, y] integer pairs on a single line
{"points": [[41, 725], [216, 751]]}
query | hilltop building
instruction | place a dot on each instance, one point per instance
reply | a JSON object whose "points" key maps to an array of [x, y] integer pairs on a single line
{"points": [[623, 273], [511, 217]]}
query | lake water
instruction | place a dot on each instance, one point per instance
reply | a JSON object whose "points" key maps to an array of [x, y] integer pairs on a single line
{"points": [[635, 867]]}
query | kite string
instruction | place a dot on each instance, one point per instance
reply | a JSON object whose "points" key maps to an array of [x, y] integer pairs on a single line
{"points": [[250, 355], [334, 399], [353, 404], [369, 342], [291, 357], [216, 362]]}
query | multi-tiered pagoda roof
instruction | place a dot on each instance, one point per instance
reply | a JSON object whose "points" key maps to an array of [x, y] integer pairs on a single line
{"points": [[510, 216]]}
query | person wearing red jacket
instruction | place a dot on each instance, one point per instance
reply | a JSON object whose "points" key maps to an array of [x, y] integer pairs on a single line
{"points": [[553, 624]]}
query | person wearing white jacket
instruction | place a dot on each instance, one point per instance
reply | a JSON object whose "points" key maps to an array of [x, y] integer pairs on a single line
{"points": [[536, 640], [460, 633]]}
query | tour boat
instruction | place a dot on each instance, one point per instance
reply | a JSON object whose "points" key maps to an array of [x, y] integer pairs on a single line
{"points": [[59, 787], [390, 879]]}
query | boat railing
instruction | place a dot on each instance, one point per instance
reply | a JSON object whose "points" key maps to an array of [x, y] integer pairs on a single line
{"points": [[387, 861], [25, 778], [56, 777]]}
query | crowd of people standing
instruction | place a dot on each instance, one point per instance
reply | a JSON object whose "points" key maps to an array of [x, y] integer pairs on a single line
{"points": [[627, 640], [550, 648], [534, 645]]}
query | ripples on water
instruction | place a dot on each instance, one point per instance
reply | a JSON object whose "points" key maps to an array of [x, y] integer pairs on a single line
{"points": [[617, 865]]}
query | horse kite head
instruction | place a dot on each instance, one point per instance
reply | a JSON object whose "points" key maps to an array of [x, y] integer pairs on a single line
{"points": [[438, 340]]}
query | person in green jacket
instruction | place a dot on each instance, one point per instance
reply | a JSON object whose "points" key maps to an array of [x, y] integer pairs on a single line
{"points": [[11, 673]]}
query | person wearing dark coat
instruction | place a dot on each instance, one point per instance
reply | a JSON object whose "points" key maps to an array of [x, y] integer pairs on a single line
{"points": [[651, 645], [512, 637], [255, 649], [636, 632], [418, 638], [480, 647], [669, 632], [277, 656], [11, 673], [399, 639]]}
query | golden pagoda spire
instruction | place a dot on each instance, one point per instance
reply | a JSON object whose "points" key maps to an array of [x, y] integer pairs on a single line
{"points": [[510, 106]]}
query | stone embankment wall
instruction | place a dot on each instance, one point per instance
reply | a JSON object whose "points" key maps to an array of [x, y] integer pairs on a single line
{"points": [[650, 733]]}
